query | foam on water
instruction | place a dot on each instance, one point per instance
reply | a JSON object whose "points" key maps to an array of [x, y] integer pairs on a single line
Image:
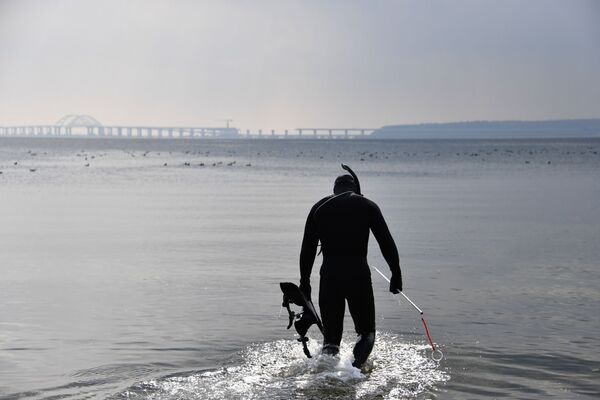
{"points": [[280, 370]]}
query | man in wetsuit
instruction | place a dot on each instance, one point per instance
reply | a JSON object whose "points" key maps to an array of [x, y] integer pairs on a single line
{"points": [[342, 222]]}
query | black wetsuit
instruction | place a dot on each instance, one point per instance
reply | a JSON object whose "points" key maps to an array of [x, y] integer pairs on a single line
{"points": [[342, 223]]}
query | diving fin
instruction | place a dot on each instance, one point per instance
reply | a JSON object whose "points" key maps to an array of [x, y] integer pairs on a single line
{"points": [[304, 320]]}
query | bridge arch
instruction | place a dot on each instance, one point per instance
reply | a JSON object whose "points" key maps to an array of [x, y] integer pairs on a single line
{"points": [[78, 121]]}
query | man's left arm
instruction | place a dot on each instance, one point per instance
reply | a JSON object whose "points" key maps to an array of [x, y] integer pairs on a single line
{"points": [[308, 253]]}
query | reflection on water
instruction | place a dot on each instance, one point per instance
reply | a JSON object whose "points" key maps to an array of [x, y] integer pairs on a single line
{"points": [[162, 259]]}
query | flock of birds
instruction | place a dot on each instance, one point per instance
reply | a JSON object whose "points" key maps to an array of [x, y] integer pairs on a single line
{"points": [[88, 158], [527, 156]]}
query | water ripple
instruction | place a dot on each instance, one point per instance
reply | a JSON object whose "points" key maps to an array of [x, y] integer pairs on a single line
{"points": [[522, 375]]}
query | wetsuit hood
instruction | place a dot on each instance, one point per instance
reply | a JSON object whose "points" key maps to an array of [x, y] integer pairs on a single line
{"points": [[344, 183]]}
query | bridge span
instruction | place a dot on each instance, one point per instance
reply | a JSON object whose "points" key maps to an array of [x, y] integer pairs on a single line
{"points": [[87, 126], [312, 133], [118, 131]]}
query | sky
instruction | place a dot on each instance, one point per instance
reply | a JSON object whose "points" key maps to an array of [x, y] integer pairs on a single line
{"points": [[298, 64]]}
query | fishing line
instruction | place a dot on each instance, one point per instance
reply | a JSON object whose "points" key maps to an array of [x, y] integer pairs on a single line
{"points": [[437, 354]]}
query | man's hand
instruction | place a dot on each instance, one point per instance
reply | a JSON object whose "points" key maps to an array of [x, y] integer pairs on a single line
{"points": [[396, 284], [305, 288]]}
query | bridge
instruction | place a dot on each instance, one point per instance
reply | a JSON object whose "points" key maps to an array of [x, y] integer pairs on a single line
{"points": [[87, 126], [313, 133]]}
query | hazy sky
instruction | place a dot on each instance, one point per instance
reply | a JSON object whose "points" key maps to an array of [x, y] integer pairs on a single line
{"points": [[289, 64]]}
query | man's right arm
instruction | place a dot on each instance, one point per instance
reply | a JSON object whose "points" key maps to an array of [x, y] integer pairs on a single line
{"points": [[387, 246]]}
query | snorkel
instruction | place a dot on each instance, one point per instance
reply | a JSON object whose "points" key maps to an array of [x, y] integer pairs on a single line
{"points": [[356, 182]]}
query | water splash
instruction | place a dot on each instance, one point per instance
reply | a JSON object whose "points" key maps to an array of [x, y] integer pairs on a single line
{"points": [[279, 369]]}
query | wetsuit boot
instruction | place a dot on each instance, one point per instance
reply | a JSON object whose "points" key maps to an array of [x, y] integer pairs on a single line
{"points": [[362, 348], [330, 349]]}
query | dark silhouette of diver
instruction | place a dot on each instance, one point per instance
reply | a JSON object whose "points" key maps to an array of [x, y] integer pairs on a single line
{"points": [[342, 222]]}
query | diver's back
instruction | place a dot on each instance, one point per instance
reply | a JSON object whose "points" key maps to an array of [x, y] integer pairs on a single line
{"points": [[343, 227]]}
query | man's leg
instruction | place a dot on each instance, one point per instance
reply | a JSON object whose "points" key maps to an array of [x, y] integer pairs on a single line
{"points": [[362, 308], [332, 305], [362, 348]]}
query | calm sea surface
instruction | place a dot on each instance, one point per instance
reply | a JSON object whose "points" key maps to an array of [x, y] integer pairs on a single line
{"points": [[149, 269]]}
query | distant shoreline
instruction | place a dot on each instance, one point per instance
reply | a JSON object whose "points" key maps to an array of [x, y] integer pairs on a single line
{"points": [[298, 139], [493, 130], [550, 129]]}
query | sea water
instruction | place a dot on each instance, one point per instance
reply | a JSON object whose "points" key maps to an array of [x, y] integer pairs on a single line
{"points": [[149, 269]]}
